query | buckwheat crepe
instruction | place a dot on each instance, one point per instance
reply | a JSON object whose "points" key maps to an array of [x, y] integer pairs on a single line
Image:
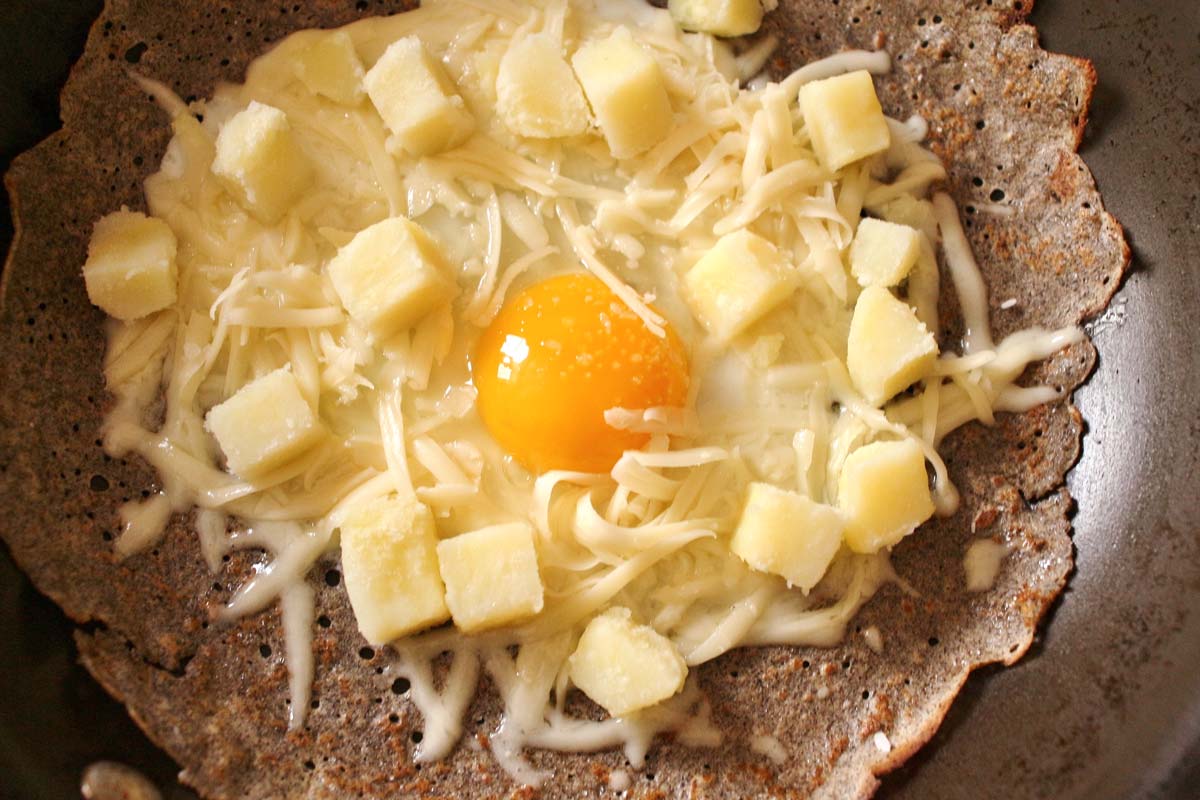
{"points": [[1006, 118]]}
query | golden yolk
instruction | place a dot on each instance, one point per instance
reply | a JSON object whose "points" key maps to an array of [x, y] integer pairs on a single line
{"points": [[556, 357]]}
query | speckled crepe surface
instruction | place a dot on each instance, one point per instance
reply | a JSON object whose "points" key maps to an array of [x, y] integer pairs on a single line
{"points": [[1004, 115]]}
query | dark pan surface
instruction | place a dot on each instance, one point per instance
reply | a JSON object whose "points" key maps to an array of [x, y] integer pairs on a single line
{"points": [[1110, 707]]}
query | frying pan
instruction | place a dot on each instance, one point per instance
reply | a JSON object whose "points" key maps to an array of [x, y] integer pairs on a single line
{"points": [[1107, 703]]}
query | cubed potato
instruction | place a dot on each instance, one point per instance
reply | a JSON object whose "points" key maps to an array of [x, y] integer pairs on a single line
{"points": [[623, 666], [416, 98], [259, 162], [888, 348], [329, 65], [537, 94], [718, 17], [491, 576], [787, 534], [390, 275], [737, 282], [130, 270], [844, 119], [264, 424], [883, 253], [389, 562], [883, 491], [627, 92]]}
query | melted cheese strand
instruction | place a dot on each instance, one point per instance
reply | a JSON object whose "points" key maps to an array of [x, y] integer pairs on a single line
{"points": [[391, 424], [878, 62], [968, 280], [298, 611], [442, 711], [295, 551]]}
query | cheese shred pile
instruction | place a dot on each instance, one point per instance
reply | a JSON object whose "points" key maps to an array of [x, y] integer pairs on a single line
{"points": [[777, 406]]}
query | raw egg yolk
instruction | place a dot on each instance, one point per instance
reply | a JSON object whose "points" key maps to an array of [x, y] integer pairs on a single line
{"points": [[556, 357]]}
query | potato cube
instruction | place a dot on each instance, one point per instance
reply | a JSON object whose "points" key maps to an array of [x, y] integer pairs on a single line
{"points": [[624, 666], [537, 94], [888, 348], [416, 98], [264, 424], [883, 253], [389, 560], [329, 65], [787, 534], [884, 493], [491, 576], [627, 92], [259, 162], [130, 270], [844, 119], [390, 275], [718, 17], [737, 282]]}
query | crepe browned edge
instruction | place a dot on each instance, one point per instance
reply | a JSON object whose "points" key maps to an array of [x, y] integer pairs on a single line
{"points": [[1004, 115]]}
